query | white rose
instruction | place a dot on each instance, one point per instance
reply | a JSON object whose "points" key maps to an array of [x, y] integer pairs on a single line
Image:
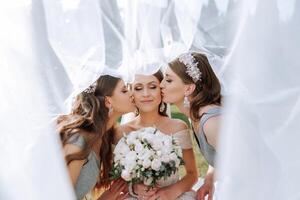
{"points": [[145, 154], [157, 145], [121, 147], [126, 175], [131, 138], [159, 153], [155, 164], [173, 156], [138, 147], [148, 138], [118, 157], [146, 163], [165, 158]]}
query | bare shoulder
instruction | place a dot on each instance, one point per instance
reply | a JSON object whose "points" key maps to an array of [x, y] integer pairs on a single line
{"points": [[211, 130], [176, 125], [212, 124], [71, 149]]}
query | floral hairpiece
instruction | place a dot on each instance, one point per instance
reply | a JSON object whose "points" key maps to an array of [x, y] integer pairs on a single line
{"points": [[91, 88], [191, 66]]}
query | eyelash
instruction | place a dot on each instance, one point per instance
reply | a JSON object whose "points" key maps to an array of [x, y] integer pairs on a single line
{"points": [[169, 80], [151, 87]]}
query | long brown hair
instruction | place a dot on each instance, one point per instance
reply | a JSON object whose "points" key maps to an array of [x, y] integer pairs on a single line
{"points": [[89, 117], [208, 88]]}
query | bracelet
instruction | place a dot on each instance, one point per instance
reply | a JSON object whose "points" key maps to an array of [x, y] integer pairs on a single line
{"points": [[131, 191]]}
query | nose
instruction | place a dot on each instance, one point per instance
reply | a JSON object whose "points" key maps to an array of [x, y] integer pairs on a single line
{"points": [[145, 92]]}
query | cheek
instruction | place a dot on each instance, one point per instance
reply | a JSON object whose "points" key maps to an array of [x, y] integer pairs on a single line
{"points": [[123, 102], [157, 95], [136, 96], [173, 93]]}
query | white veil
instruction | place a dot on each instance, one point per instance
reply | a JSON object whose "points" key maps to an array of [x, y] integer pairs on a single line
{"points": [[51, 49], [259, 145], [33, 85]]}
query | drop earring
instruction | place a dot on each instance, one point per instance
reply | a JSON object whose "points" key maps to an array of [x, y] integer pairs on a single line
{"points": [[186, 102]]}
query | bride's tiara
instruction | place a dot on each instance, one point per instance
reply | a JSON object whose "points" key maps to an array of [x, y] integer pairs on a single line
{"points": [[191, 66]]}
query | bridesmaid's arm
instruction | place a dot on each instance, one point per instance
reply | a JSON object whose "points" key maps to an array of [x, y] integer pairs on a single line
{"points": [[208, 186], [74, 166]]}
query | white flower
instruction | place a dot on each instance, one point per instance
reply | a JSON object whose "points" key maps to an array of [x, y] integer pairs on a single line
{"points": [[126, 175], [173, 156], [165, 158], [147, 163], [158, 153], [144, 150], [155, 164], [157, 144], [138, 147], [146, 154]]}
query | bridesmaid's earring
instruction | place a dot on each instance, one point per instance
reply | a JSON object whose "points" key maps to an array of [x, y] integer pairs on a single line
{"points": [[110, 111], [162, 107], [186, 102]]}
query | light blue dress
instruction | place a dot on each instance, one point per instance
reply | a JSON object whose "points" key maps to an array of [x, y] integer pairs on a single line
{"points": [[89, 173], [207, 150]]}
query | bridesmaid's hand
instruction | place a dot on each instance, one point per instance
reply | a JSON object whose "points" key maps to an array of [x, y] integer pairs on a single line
{"points": [[117, 191], [206, 189]]}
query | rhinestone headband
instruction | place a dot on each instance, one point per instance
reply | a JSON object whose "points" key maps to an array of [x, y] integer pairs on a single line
{"points": [[191, 66]]}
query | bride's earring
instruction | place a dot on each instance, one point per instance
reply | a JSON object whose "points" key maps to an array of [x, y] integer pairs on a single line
{"points": [[186, 102], [136, 112], [162, 107]]}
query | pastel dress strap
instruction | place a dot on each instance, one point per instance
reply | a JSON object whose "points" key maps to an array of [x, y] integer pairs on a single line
{"points": [[184, 139]]}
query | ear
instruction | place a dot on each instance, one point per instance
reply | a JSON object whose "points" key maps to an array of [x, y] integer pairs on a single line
{"points": [[189, 89], [108, 102]]}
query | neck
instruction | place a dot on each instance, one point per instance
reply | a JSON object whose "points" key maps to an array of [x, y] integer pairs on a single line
{"points": [[112, 120], [184, 110], [146, 119]]}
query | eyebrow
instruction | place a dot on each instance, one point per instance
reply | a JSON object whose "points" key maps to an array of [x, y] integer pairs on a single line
{"points": [[168, 75], [152, 82]]}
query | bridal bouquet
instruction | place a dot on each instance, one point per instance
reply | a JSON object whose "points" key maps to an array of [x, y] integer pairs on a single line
{"points": [[146, 156]]}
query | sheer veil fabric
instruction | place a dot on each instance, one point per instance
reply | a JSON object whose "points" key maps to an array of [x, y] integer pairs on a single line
{"points": [[51, 50]]}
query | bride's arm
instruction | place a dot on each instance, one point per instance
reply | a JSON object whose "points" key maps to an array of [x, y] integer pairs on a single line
{"points": [[185, 184]]}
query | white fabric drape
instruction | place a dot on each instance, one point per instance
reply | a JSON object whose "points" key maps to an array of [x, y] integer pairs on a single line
{"points": [[51, 49], [33, 87], [259, 143]]}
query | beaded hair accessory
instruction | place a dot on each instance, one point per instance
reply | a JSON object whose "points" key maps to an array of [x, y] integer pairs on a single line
{"points": [[91, 89], [191, 66]]}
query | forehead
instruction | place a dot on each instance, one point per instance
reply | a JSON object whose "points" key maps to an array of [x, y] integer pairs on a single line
{"points": [[170, 72], [145, 79], [120, 85]]}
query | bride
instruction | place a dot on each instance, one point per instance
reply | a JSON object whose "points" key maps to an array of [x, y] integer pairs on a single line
{"points": [[151, 111]]}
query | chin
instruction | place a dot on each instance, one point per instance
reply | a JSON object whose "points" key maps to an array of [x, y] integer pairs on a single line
{"points": [[148, 109], [166, 100]]}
